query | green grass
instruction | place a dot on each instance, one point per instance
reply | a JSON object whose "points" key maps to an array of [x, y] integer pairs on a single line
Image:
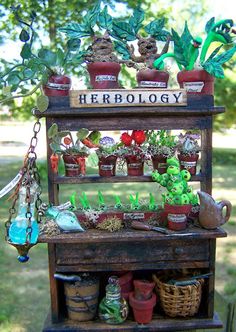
{"points": [[24, 288]]}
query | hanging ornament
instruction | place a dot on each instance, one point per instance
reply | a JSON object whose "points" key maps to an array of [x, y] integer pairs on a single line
{"points": [[22, 227]]}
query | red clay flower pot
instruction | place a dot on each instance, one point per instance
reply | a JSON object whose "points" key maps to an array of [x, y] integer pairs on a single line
{"points": [[143, 289], [196, 81], [152, 78], [104, 75], [177, 209], [159, 163], [142, 309], [57, 86], [135, 165], [74, 165], [107, 166], [188, 162], [176, 222]]}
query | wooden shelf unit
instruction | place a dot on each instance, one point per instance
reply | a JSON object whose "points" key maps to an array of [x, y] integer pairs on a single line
{"points": [[96, 251]]}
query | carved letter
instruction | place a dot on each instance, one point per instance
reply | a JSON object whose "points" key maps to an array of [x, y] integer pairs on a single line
{"points": [[177, 97], [165, 98], [94, 99], [130, 98], [153, 98], [82, 99], [106, 99], [118, 98]]}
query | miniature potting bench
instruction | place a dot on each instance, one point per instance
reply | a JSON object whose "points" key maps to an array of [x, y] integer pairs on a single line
{"points": [[97, 251]]}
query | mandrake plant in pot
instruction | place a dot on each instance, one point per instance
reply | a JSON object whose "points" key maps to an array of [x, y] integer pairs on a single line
{"points": [[36, 70], [73, 151], [146, 36], [188, 150], [161, 145], [197, 71], [95, 36]]}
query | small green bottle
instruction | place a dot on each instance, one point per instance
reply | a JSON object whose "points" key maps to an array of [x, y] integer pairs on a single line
{"points": [[113, 309]]}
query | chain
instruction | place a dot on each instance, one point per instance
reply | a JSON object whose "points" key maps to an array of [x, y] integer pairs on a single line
{"points": [[29, 175]]}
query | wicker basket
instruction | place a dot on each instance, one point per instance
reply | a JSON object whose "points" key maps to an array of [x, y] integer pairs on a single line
{"points": [[179, 300]]}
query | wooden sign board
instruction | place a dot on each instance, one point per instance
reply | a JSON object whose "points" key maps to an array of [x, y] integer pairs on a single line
{"points": [[124, 97]]}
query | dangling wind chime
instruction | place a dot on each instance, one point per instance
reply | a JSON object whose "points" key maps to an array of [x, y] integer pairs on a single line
{"points": [[22, 226]]}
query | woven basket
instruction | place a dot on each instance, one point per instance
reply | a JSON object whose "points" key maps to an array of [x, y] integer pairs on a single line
{"points": [[179, 300]]}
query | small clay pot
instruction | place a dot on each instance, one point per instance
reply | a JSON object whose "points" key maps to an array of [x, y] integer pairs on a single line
{"points": [[152, 78], [188, 162], [104, 75], [177, 209], [176, 222], [135, 165], [196, 81], [107, 166], [159, 163], [74, 165], [57, 86], [142, 310], [143, 289]]}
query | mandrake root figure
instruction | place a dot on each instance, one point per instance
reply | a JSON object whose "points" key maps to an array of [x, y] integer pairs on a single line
{"points": [[147, 48]]}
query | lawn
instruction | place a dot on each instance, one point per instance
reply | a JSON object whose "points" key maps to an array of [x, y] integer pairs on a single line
{"points": [[24, 288]]}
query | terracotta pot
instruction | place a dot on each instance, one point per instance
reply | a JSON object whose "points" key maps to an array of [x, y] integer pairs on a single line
{"points": [[188, 162], [107, 166], [142, 309], [178, 209], [196, 81], [152, 78], [143, 289], [104, 75], [159, 163], [135, 165], [74, 165], [176, 222], [57, 86]]}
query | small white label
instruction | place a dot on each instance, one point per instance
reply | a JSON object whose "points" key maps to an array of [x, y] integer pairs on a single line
{"points": [[152, 84], [133, 216], [106, 167], [72, 166], [162, 165], [177, 218], [101, 78], [57, 86], [134, 165], [64, 206], [194, 86], [10, 185], [188, 164]]}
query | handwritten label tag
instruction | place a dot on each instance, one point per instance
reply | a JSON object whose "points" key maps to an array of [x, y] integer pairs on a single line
{"points": [[194, 86], [134, 216], [152, 84]]}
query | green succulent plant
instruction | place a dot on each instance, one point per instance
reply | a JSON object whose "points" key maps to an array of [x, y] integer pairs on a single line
{"points": [[176, 183], [161, 142], [187, 48]]}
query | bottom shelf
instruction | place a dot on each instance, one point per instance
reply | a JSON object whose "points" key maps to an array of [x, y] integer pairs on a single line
{"points": [[158, 323]]}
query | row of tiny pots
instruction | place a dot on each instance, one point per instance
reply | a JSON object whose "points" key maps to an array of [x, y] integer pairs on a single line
{"points": [[84, 301]]}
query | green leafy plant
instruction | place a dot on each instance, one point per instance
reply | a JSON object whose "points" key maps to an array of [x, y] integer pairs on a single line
{"points": [[62, 142], [161, 143], [24, 77], [186, 48]]}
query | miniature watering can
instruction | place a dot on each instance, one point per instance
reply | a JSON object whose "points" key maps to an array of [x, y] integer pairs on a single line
{"points": [[211, 212]]}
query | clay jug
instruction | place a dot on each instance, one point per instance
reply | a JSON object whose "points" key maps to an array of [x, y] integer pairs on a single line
{"points": [[211, 212]]}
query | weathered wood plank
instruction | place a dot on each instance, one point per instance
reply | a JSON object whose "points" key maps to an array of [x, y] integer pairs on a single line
{"points": [[158, 323]]}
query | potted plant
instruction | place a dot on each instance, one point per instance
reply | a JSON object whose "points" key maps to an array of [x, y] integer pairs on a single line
{"points": [[107, 156], [45, 68], [161, 146], [73, 153], [134, 151], [178, 200], [197, 72], [142, 301], [147, 47], [188, 150], [103, 64]]}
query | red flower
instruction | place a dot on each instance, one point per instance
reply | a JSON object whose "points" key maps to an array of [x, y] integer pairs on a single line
{"points": [[139, 136], [126, 139]]}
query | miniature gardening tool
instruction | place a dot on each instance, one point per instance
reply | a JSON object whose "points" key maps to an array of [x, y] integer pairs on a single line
{"points": [[145, 227]]}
